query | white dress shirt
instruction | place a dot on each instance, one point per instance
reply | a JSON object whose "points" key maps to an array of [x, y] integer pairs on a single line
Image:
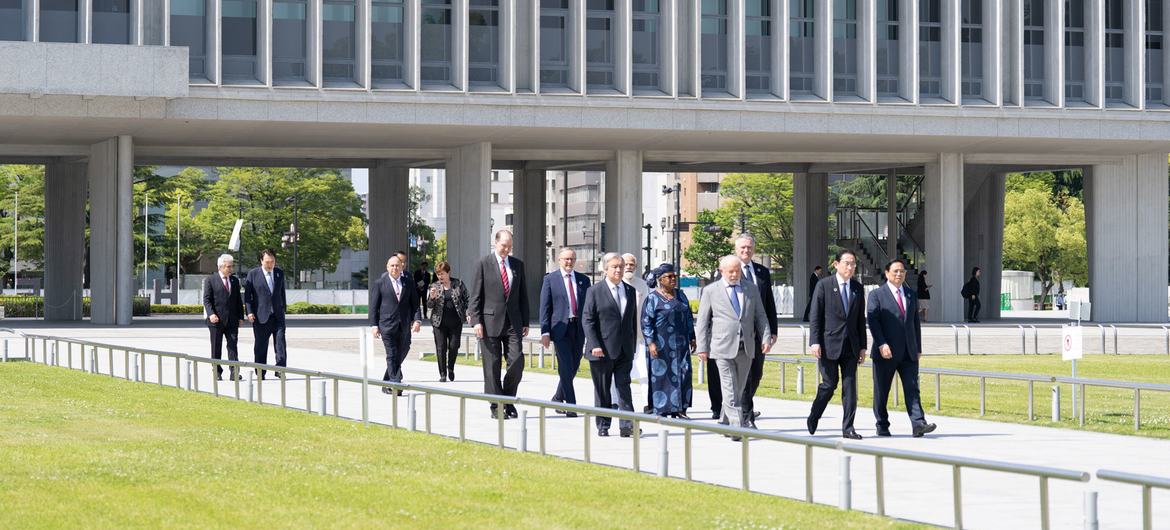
{"points": [[618, 291]]}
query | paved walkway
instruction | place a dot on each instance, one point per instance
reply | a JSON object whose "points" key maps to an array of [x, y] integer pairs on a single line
{"points": [[914, 491]]}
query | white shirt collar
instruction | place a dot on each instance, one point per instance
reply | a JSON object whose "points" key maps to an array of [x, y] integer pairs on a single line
{"points": [[896, 290], [841, 280], [612, 285], [568, 273]]}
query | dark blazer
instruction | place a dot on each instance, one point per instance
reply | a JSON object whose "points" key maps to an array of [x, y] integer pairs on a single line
{"points": [[903, 335], [488, 306], [259, 300], [435, 305], [812, 284], [391, 315], [227, 305], [554, 303], [763, 280], [831, 324], [971, 288], [605, 325]]}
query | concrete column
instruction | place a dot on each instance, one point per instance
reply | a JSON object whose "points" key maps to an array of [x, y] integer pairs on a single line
{"points": [[389, 200], [468, 178], [943, 187], [528, 199], [65, 191], [810, 225], [623, 203], [892, 228], [1125, 217], [111, 254], [983, 236]]}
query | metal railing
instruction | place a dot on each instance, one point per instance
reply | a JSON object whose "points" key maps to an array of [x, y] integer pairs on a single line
{"points": [[50, 349], [1147, 483]]}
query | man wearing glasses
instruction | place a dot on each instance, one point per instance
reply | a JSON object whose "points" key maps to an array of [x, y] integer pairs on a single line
{"points": [[837, 339]]}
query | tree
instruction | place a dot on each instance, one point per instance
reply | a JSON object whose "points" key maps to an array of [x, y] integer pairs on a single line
{"points": [[419, 229], [1042, 238], [29, 181], [164, 195], [709, 242], [264, 198], [438, 251], [764, 200]]}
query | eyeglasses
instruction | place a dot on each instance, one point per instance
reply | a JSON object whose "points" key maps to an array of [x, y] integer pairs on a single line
{"points": [[847, 263], [668, 276], [897, 271]]}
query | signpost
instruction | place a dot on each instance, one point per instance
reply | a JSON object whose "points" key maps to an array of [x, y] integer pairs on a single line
{"points": [[1072, 341]]}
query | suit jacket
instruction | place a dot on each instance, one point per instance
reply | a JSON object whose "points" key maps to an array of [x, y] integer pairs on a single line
{"points": [[763, 281], [554, 303], [225, 304], [458, 297], [831, 324], [888, 326], [718, 329], [391, 315], [812, 284], [606, 327], [259, 300], [488, 305]]}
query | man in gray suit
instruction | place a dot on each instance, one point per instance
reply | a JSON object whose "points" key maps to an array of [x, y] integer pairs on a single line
{"points": [[732, 323]]}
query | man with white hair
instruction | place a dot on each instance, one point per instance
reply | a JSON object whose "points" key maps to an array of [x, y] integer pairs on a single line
{"points": [[731, 327], [224, 310]]}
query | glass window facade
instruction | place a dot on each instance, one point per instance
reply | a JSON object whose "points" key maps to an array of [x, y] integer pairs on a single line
{"points": [[845, 48], [929, 49], [289, 30], [1114, 50], [483, 49], [189, 28], [339, 42], [646, 46], [888, 52], [801, 64], [239, 40], [1074, 50], [59, 19], [111, 22], [388, 35], [600, 27], [713, 55], [12, 20], [971, 49], [554, 43], [1033, 49], [1154, 39], [758, 46], [436, 51]]}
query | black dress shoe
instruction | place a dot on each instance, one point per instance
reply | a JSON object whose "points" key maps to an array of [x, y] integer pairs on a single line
{"points": [[755, 414], [511, 412], [442, 379], [626, 433], [682, 416], [715, 414], [812, 424], [496, 414], [603, 431], [884, 432], [387, 390], [451, 377], [750, 424], [923, 428], [733, 437], [850, 434]]}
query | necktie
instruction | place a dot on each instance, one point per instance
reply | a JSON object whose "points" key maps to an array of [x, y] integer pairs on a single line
{"points": [[226, 287], [900, 304], [268, 278], [397, 290], [572, 295], [735, 300], [504, 277], [747, 273], [617, 298], [845, 296]]}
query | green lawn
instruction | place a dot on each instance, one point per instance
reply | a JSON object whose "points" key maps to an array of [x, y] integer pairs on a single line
{"points": [[1107, 410], [78, 450]]}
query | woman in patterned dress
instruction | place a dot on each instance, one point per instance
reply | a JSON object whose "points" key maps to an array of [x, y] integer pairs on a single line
{"points": [[668, 328]]}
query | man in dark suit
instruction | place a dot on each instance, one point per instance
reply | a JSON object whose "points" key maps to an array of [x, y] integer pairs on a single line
{"points": [[562, 297], [264, 298], [498, 308], [812, 286], [837, 339], [897, 347], [970, 293], [609, 316], [759, 276], [394, 315], [423, 280], [224, 312]]}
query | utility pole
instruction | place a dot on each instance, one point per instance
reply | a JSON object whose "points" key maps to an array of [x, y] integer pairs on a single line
{"points": [[15, 229], [145, 238], [178, 240], [647, 228]]}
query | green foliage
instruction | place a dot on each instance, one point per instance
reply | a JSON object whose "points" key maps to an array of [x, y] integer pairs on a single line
{"points": [[305, 308], [868, 191], [438, 251], [1041, 237], [29, 182], [34, 306], [176, 309], [420, 230], [765, 202], [167, 198], [709, 242]]}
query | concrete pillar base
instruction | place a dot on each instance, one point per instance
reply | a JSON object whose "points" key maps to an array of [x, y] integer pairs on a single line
{"points": [[389, 200], [110, 173], [65, 192], [944, 206], [810, 225], [468, 180]]}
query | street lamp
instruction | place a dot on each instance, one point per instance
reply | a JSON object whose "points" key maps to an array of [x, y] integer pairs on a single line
{"points": [[178, 241], [677, 191], [145, 238], [647, 227], [15, 226], [293, 236]]}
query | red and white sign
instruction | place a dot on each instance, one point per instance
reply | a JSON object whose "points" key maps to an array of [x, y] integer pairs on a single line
{"points": [[1071, 343]]}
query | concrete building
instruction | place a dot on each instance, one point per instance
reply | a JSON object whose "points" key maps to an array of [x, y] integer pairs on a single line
{"points": [[961, 91]]}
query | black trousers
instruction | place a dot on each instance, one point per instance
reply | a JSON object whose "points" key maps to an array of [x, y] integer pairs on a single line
{"points": [[273, 329], [232, 334], [807, 307], [397, 347], [497, 350], [842, 370], [973, 307], [568, 351], [713, 390], [755, 374], [608, 372], [447, 336], [883, 378]]}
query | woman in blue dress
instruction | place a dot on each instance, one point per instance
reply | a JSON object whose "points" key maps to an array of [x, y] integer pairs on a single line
{"points": [[669, 331]]}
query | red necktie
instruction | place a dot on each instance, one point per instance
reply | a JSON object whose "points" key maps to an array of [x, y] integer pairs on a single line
{"points": [[225, 285], [504, 278], [900, 306], [572, 296]]}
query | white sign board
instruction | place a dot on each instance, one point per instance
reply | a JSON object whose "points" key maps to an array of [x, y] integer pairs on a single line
{"points": [[234, 243], [1071, 343]]}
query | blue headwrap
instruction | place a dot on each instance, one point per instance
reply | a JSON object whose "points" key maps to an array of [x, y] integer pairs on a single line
{"points": [[652, 276]]}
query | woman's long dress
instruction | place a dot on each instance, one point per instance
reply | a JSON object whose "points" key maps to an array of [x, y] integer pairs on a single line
{"points": [[668, 323]]}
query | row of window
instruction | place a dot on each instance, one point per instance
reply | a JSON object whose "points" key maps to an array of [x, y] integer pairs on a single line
{"points": [[243, 57]]}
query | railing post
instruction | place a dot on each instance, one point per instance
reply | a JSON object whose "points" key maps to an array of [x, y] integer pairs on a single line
{"points": [[586, 422], [189, 381], [1115, 352], [1044, 511], [663, 453], [251, 381], [799, 379], [413, 412], [637, 449], [502, 413], [282, 389], [393, 408], [308, 394], [134, 365], [745, 463], [968, 328], [1031, 401], [804, 340], [158, 366], [462, 419], [1035, 340], [782, 376], [1055, 403], [1091, 522], [808, 473], [938, 391], [543, 412], [845, 495], [336, 395], [1101, 329], [955, 329], [1147, 508], [541, 364], [687, 453], [1082, 404], [896, 385], [1023, 340], [879, 476], [1137, 409], [702, 371], [982, 396], [522, 446], [1166, 332], [323, 399], [427, 417], [957, 492]]}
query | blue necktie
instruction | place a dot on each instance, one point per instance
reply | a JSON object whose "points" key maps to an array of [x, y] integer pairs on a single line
{"points": [[735, 299], [845, 296]]}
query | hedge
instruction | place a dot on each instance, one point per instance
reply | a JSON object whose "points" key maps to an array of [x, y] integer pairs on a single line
{"points": [[176, 309], [34, 306], [298, 308]]}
